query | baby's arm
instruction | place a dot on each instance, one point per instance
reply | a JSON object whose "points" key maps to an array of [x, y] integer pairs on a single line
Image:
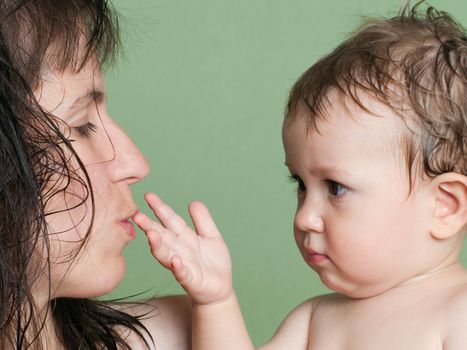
{"points": [[200, 262], [214, 328]]}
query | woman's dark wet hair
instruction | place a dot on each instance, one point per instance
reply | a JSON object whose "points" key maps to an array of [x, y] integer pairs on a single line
{"points": [[34, 35]]}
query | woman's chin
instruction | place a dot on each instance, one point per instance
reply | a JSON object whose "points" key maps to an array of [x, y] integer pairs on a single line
{"points": [[107, 282], [92, 282]]}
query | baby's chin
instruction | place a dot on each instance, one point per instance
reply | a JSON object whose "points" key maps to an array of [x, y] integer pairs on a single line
{"points": [[351, 289]]}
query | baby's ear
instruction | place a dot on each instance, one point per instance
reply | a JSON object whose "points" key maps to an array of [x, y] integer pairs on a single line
{"points": [[450, 207]]}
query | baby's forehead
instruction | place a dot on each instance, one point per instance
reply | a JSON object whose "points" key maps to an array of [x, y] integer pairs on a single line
{"points": [[343, 125], [339, 113]]}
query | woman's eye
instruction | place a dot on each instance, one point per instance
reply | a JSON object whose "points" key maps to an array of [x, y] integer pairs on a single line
{"points": [[300, 185], [336, 189], [85, 130]]}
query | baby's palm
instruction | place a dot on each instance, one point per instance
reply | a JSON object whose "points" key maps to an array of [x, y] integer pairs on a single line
{"points": [[200, 260]]}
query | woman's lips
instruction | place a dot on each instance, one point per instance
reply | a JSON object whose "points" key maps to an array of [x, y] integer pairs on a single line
{"points": [[128, 227], [316, 258]]}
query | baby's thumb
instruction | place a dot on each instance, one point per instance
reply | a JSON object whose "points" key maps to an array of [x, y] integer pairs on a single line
{"points": [[181, 273]]}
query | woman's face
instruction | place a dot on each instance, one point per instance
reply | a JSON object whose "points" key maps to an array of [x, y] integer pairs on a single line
{"points": [[113, 163]]}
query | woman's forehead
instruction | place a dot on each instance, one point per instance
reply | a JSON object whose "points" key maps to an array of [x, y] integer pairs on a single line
{"points": [[69, 90]]}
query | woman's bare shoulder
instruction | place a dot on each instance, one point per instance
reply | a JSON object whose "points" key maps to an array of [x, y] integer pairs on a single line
{"points": [[168, 320]]}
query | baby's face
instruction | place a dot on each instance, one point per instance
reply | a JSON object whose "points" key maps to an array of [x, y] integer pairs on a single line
{"points": [[355, 224]]}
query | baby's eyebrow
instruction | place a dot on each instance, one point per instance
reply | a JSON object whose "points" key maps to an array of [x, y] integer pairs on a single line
{"points": [[332, 170], [326, 171]]}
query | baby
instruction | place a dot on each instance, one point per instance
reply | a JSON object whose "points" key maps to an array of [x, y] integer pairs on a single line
{"points": [[374, 136]]}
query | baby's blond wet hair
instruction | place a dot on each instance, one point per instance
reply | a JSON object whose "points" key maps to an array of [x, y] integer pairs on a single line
{"points": [[415, 63]]}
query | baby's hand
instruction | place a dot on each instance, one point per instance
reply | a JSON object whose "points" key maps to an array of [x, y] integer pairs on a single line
{"points": [[200, 261]]}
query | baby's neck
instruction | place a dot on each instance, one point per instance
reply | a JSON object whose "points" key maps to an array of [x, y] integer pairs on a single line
{"points": [[450, 275], [429, 286], [428, 283]]}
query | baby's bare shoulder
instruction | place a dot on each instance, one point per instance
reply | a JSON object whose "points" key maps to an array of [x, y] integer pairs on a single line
{"points": [[456, 304], [293, 333], [455, 316]]}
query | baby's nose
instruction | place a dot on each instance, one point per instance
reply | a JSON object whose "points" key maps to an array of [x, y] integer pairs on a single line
{"points": [[308, 219]]}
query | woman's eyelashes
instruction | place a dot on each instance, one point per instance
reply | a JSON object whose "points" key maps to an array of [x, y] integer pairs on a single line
{"points": [[85, 130], [334, 188]]}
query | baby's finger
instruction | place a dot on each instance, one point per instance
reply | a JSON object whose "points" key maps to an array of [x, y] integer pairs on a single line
{"points": [[202, 219], [159, 250], [180, 271], [145, 223], [166, 215]]}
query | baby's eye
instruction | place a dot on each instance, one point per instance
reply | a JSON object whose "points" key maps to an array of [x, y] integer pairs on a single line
{"points": [[336, 189], [300, 185], [85, 130]]}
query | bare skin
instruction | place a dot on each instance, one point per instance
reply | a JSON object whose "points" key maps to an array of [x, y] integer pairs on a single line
{"points": [[421, 314], [392, 258], [168, 321], [429, 313], [114, 163]]}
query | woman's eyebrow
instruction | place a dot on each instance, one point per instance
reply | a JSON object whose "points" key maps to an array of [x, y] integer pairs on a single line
{"points": [[92, 95]]}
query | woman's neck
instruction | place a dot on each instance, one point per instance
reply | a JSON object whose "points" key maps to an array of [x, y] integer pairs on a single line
{"points": [[48, 335]]}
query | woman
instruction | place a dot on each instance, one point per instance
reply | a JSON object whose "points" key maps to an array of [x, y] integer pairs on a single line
{"points": [[65, 176]]}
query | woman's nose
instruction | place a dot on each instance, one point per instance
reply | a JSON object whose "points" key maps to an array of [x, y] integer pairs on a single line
{"points": [[308, 218], [129, 165]]}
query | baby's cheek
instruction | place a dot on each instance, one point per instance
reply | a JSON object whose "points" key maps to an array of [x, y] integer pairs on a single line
{"points": [[358, 253], [299, 237]]}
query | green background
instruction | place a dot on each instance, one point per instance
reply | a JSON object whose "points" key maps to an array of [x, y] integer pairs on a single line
{"points": [[201, 90]]}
